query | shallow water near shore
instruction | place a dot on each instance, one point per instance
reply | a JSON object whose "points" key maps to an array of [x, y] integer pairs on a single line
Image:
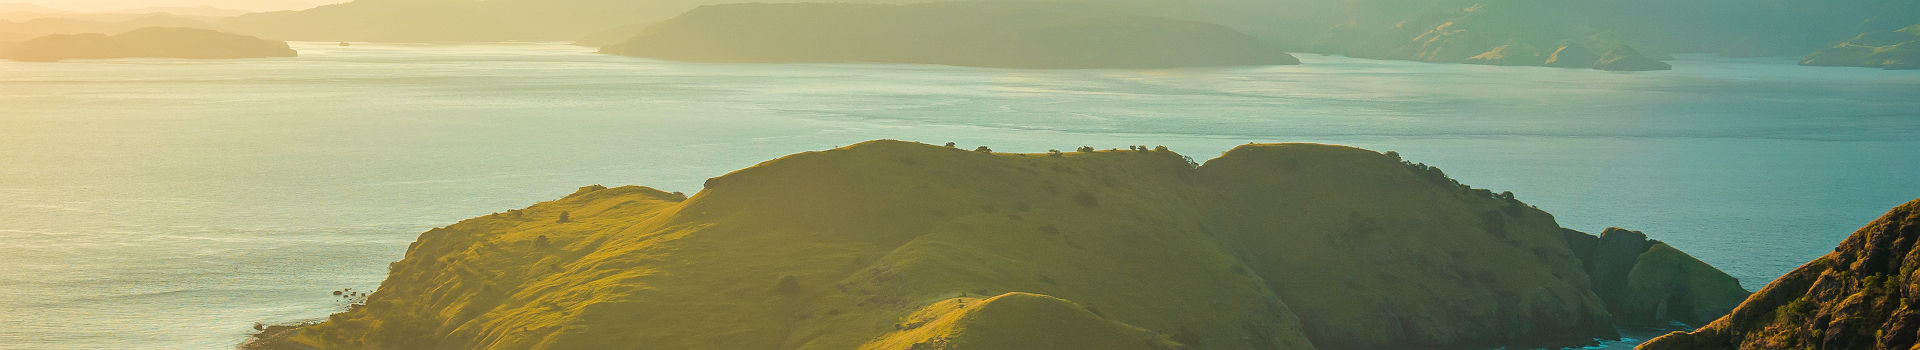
{"points": [[170, 204]]}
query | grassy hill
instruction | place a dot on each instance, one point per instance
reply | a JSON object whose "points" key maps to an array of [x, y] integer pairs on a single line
{"points": [[895, 245]]}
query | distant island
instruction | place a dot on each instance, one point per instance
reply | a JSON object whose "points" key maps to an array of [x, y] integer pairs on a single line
{"points": [[898, 245], [1490, 33], [1860, 296], [456, 21], [159, 42], [982, 34], [1897, 49], [1620, 35]]}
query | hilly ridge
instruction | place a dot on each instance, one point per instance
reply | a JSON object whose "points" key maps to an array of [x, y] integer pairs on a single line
{"points": [[1626, 35], [166, 42], [894, 245], [985, 34], [1860, 296]]}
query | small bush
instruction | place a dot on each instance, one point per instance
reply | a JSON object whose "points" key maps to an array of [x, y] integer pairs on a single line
{"points": [[788, 284], [951, 145], [1053, 153], [1161, 149], [1086, 149], [1086, 199], [564, 218], [542, 242], [983, 149]]}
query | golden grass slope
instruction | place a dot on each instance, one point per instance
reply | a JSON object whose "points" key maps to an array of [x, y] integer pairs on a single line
{"points": [[1860, 296], [892, 245], [1017, 321]]}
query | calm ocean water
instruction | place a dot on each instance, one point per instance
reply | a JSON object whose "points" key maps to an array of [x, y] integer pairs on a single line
{"points": [[170, 204]]}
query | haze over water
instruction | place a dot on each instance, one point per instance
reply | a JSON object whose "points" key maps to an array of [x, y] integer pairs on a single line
{"points": [[169, 204]]}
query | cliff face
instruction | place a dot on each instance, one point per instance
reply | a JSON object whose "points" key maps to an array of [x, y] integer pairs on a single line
{"points": [[1861, 296], [986, 34], [149, 42], [894, 245], [1898, 49]]}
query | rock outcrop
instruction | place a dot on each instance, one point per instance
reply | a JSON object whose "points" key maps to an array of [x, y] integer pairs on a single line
{"points": [[149, 42], [895, 245], [1649, 283], [1860, 296], [983, 34], [1898, 49]]}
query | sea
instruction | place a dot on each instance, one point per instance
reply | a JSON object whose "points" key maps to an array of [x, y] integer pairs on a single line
{"points": [[174, 204]]}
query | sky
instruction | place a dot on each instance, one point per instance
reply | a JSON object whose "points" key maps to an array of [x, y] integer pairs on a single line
{"points": [[109, 5]]}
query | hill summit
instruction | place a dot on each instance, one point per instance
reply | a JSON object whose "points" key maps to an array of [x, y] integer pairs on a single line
{"points": [[897, 245]]}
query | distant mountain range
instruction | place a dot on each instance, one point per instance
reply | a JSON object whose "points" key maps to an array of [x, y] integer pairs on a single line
{"points": [[1619, 35], [457, 20], [25, 11], [13, 32], [983, 34], [1624, 34]]}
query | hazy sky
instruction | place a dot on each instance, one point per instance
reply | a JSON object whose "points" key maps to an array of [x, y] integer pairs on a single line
{"points": [[101, 5]]}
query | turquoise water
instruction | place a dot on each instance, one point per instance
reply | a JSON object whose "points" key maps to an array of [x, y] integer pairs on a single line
{"points": [[170, 204]]}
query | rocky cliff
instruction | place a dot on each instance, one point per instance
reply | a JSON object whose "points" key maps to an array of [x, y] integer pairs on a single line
{"points": [[1648, 283], [1860, 296], [895, 245]]}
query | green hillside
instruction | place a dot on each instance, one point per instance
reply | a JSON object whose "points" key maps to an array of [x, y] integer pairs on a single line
{"points": [[896, 245]]}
